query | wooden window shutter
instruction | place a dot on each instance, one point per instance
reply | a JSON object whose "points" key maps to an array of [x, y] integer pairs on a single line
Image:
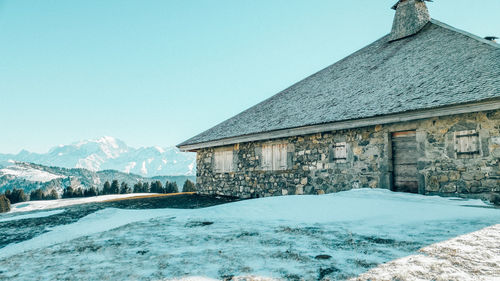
{"points": [[467, 142], [218, 162], [228, 161], [223, 161], [281, 157], [340, 151], [274, 157], [267, 157]]}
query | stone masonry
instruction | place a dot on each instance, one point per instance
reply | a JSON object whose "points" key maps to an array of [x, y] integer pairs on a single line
{"points": [[311, 168]]}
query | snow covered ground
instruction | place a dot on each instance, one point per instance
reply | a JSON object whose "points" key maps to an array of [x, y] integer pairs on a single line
{"points": [[30, 216], [336, 236], [52, 204], [474, 256], [28, 174]]}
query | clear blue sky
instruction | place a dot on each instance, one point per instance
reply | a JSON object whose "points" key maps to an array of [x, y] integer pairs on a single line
{"points": [[158, 72]]}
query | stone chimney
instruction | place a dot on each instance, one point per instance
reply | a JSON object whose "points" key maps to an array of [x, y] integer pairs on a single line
{"points": [[411, 17]]}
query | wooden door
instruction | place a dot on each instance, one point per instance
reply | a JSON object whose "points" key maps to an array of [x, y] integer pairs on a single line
{"points": [[404, 155]]}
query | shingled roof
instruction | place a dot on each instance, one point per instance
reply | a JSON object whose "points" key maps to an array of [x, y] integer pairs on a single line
{"points": [[438, 66]]}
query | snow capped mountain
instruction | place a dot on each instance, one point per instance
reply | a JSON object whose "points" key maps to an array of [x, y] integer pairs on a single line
{"points": [[108, 153]]}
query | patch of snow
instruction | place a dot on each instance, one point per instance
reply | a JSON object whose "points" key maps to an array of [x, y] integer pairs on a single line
{"points": [[96, 222], [144, 171], [150, 160], [164, 161], [192, 278], [29, 174], [161, 150], [235, 278], [92, 162], [109, 146], [474, 256], [52, 204], [31, 216], [110, 141], [129, 167]]}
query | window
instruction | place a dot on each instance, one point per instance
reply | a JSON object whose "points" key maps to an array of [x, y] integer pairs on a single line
{"points": [[339, 151], [223, 161], [466, 143], [274, 157]]}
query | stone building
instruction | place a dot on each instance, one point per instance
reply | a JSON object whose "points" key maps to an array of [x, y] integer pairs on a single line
{"points": [[416, 111]]}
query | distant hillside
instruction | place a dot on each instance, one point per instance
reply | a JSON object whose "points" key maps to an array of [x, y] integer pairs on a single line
{"points": [[28, 176], [108, 153]]}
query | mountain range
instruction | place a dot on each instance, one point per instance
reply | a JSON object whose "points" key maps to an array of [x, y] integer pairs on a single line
{"points": [[29, 176], [108, 153]]}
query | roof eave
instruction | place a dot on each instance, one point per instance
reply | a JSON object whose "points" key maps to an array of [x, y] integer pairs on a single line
{"points": [[485, 105]]}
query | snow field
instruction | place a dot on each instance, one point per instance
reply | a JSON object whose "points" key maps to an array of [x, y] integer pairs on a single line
{"points": [[28, 174], [52, 204], [278, 237], [31, 216], [474, 256]]}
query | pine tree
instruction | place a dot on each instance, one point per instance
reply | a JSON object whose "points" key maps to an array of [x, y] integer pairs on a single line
{"points": [[106, 188], [124, 189], [115, 187], [89, 192], [189, 186], [175, 188], [37, 194], [17, 196], [8, 194], [153, 188], [78, 192], [171, 187], [145, 187], [52, 195], [157, 187], [138, 187], [68, 192]]}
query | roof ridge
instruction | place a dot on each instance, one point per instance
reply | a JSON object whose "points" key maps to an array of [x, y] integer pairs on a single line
{"points": [[463, 32]]}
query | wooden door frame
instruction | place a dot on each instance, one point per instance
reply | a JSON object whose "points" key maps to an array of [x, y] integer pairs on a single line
{"points": [[419, 137]]}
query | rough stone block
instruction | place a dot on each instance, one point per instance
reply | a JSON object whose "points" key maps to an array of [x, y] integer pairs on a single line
{"points": [[303, 181], [454, 176], [299, 189], [432, 184], [448, 188], [443, 178], [468, 176]]}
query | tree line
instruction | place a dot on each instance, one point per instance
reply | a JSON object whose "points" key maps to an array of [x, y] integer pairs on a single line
{"points": [[18, 195]]}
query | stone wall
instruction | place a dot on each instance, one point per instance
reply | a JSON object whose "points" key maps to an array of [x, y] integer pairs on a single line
{"points": [[313, 170]]}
